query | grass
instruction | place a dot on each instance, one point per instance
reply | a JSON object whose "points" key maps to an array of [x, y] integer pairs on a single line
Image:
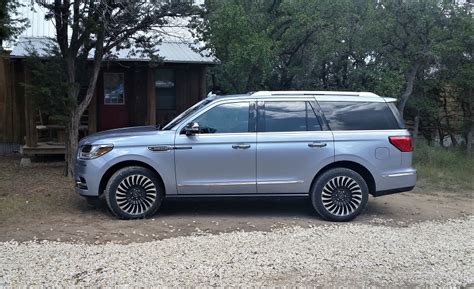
{"points": [[447, 169], [37, 190]]}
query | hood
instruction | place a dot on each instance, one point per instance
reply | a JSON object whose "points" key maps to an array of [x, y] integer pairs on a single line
{"points": [[127, 136]]}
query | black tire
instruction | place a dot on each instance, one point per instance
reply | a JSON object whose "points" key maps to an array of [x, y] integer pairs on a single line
{"points": [[339, 195], [134, 193]]}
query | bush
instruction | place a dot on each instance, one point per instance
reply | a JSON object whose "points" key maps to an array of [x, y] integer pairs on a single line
{"points": [[448, 169]]}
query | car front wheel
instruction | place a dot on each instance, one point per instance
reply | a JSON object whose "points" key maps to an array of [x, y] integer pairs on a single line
{"points": [[133, 192], [339, 195]]}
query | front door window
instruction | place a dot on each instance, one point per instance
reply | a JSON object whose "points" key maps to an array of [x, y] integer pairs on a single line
{"points": [[225, 118]]}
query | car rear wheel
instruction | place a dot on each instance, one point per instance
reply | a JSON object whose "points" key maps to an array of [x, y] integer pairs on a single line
{"points": [[133, 193], [339, 195]]}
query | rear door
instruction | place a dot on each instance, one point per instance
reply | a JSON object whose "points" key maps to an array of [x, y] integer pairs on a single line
{"points": [[292, 145]]}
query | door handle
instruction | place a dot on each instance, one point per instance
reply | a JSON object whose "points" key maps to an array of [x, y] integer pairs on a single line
{"points": [[317, 145], [241, 146]]}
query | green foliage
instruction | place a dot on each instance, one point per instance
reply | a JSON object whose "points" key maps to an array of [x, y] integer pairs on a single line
{"points": [[328, 44], [239, 34], [48, 88], [443, 168], [11, 23], [419, 51]]}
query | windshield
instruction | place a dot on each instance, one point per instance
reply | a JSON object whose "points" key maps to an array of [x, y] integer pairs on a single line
{"points": [[187, 113]]}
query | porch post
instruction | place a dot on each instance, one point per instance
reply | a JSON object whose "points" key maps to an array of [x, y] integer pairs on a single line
{"points": [[92, 118], [151, 97], [31, 138], [203, 82], [4, 95]]}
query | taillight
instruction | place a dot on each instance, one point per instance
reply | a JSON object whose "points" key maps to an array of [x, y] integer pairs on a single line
{"points": [[403, 143]]}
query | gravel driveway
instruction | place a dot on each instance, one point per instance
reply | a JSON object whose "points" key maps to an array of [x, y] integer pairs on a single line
{"points": [[426, 253]]}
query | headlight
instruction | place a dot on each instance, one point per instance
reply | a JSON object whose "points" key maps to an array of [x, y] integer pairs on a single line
{"points": [[89, 152]]}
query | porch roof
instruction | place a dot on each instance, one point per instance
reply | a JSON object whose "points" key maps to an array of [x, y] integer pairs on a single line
{"points": [[170, 52]]}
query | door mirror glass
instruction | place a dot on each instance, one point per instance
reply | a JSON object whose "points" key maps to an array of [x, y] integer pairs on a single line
{"points": [[191, 128]]}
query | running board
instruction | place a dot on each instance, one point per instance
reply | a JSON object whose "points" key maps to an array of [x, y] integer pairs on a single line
{"points": [[178, 196]]}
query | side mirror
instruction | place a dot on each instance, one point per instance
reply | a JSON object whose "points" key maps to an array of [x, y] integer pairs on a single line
{"points": [[191, 128]]}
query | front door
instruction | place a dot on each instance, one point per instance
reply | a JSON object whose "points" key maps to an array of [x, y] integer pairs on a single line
{"points": [[113, 111], [291, 146], [221, 158]]}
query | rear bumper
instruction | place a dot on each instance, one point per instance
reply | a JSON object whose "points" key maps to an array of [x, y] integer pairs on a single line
{"points": [[396, 182], [392, 191]]}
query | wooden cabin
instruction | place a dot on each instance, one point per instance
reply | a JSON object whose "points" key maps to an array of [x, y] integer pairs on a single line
{"points": [[130, 92]]}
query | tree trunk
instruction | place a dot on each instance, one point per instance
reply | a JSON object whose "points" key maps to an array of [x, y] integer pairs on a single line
{"points": [[416, 128], [79, 109], [71, 142], [469, 140], [410, 76]]}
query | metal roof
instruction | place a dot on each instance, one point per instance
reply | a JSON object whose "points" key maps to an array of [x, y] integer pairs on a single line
{"points": [[171, 52]]}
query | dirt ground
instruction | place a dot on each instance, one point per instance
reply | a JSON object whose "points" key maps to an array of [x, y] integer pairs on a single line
{"points": [[39, 203]]}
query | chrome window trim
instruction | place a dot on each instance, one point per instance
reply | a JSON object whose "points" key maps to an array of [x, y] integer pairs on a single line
{"points": [[220, 134], [209, 107]]}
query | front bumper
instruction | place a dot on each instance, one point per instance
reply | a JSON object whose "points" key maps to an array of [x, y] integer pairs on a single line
{"points": [[87, 178]]}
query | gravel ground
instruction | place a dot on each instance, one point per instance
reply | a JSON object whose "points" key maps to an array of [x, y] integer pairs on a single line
{"points": [[426, 253]]}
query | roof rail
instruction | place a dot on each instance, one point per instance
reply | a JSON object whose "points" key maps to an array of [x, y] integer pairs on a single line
{"points": [[289, 93]]}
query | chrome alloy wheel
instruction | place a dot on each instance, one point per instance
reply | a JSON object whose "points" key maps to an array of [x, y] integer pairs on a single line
{"points": [[341, 196], [136, 194]]}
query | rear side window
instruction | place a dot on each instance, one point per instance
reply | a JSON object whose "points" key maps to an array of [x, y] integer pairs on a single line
{"points": [[283, 116], [359, 115]]}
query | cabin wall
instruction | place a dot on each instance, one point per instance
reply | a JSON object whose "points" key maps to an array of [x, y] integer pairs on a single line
{"points": [[139, 82], [12, 113]]}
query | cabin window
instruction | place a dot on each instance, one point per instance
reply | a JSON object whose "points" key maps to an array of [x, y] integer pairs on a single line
{"points": [[165, 89], [114, 88]]}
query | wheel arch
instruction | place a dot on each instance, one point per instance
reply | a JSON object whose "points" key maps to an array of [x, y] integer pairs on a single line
{"points": [[110, 171], [357, 167]]}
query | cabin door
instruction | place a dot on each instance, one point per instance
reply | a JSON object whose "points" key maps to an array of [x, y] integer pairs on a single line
{"points": [[113, 110]]}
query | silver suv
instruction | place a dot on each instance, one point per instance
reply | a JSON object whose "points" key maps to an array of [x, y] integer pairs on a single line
{"points": [[334, 147]]}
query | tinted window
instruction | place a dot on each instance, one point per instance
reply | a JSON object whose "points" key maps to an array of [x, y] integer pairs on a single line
{"points": [[359, 115], [225, 118], [290, 116], [165, 89]]}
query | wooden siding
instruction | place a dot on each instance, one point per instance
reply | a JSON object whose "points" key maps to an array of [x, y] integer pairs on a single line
{"points": [[12, 116], [190, 88], [18, 119]]}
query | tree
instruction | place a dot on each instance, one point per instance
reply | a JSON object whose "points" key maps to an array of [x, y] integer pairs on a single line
{"points": [[100, 28], [11, 22], [410, 33], [237, 33]]}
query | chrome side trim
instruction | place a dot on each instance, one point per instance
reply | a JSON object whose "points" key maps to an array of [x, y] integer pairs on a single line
{"points": [[280, 182], [159, 148], [183, 148], [242, 183], [399, 175], [167, 148], [218, 184]]}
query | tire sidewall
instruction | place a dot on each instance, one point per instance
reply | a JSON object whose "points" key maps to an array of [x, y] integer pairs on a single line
{"points": [[118, 177], [321, 182]]}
